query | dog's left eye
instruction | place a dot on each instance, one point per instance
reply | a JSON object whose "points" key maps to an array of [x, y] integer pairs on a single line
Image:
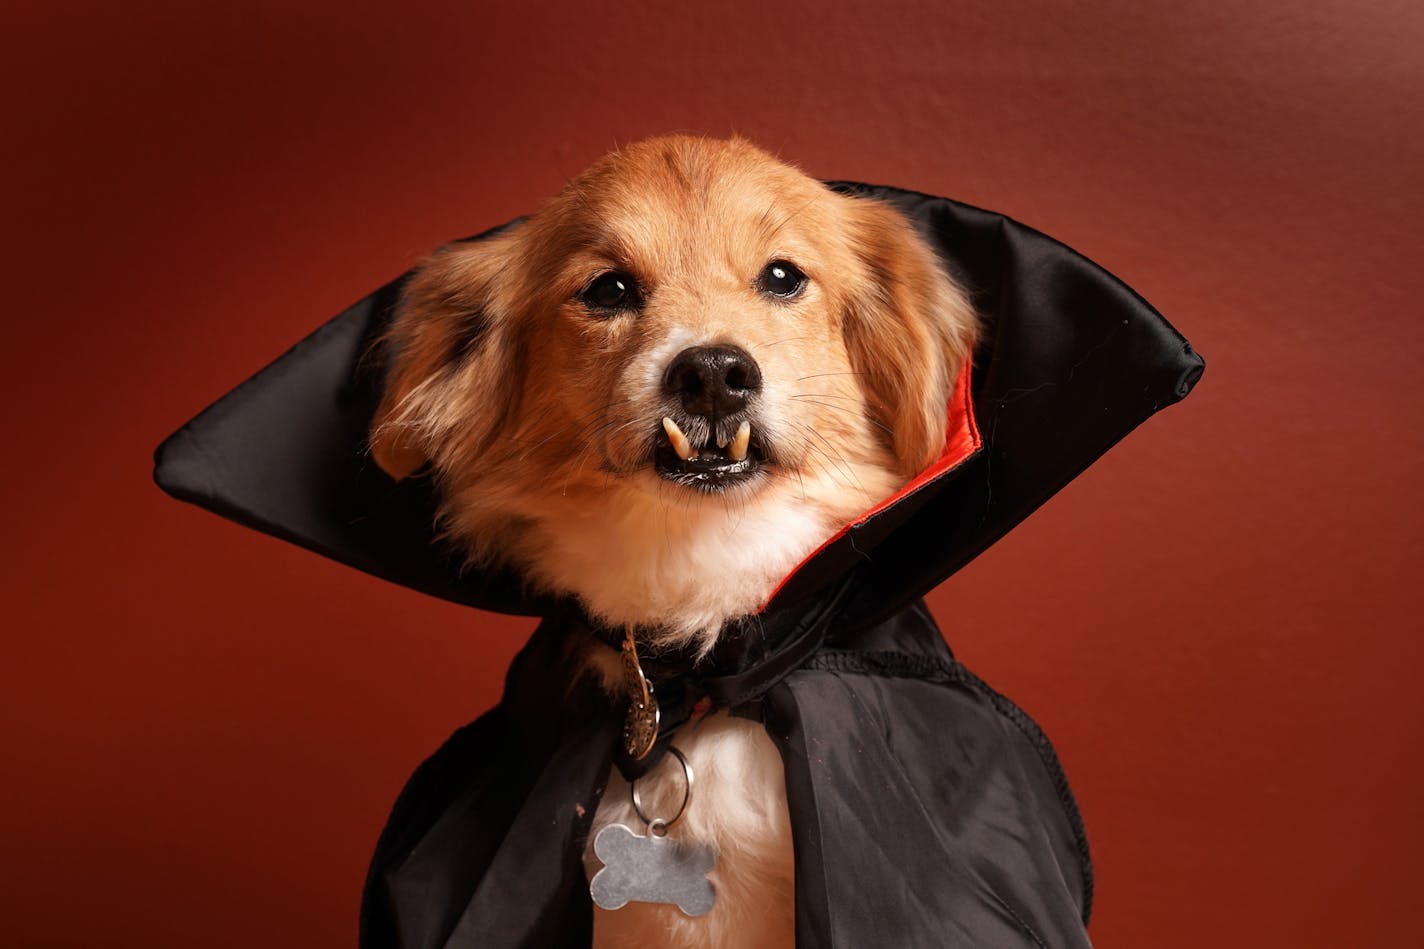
{"points": [[614, 290], [781, 278]]}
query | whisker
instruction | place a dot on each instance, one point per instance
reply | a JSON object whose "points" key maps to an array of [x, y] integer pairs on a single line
{"points": [[842, 408], [822, 375], [524, 455], [839, 458]]}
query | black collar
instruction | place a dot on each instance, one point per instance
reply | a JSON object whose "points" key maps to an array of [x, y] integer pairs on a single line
{"points": [[752, 655]]}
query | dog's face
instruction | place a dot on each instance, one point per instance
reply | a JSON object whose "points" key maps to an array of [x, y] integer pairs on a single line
{"points": [[695, 361]]}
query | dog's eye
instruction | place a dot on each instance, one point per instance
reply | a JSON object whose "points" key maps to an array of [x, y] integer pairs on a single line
{"points": [[614, 290], [781, 278]]}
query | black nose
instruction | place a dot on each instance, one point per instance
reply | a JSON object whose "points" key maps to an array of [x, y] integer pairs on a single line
{"points": [[713, 381]]}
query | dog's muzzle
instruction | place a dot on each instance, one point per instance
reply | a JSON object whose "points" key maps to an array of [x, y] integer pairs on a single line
{"points": [[709, 440]]}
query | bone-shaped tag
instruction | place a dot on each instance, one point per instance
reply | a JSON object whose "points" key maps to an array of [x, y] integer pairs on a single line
{"points": [[651, 869]]}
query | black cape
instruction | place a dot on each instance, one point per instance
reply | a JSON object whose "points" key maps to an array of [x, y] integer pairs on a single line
{"points": [[927, 809]]}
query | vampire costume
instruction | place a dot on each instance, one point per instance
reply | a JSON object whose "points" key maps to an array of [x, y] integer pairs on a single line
{"points": [[927, 809]]}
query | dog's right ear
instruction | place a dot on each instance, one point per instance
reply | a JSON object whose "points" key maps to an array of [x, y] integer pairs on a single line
{"points": [[443, 371]]}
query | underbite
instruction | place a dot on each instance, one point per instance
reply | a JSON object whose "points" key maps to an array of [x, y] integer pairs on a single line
{"points": [[715, 466]]}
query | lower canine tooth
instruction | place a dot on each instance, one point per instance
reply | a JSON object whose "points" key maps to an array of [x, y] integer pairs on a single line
{"points": [[738, 449], [680, 444]]}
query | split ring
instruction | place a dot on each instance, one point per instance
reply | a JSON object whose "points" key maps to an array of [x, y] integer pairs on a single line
{"points": [[657, 826]]}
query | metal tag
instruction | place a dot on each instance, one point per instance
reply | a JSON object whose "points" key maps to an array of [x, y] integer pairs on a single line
{"points": [[651, 869]]}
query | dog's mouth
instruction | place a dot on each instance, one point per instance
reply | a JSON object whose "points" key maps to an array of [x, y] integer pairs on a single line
{"points": [[712, 467]]}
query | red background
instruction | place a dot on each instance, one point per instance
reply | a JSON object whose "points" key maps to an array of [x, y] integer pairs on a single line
{"points": [[1218, 624]]}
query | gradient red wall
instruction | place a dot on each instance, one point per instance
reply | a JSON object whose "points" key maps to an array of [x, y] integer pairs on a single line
{"points": [[1218, 624]]}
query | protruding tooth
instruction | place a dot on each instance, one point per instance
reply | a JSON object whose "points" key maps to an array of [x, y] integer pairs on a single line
{"points": [[680, 444], [738, 449]]}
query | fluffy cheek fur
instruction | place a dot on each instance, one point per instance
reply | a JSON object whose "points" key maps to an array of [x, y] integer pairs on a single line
{"points": [[539, 419]]}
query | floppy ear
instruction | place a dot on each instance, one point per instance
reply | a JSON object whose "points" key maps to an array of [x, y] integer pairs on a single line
{"points": [[908, 329], [444, 370]]}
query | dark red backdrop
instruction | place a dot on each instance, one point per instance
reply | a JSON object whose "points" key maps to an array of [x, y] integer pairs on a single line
{"points": [[1218, 624]]}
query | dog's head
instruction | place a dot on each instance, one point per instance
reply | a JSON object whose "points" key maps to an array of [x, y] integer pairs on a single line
{"points": [[675, 380]]}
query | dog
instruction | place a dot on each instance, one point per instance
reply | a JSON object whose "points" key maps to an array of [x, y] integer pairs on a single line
{"points": [[657, 396]]}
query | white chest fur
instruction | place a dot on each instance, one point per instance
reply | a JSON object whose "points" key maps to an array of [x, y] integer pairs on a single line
{"points": [[738, 807]]}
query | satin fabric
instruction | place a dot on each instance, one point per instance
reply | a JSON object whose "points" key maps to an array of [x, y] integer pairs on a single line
{"points": [[927, 810]]}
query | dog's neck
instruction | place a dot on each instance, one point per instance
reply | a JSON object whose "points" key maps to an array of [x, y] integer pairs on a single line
{"points": [[682, 572]]}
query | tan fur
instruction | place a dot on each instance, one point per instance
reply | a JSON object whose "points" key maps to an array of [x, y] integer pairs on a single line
{"points": [[538, 418]]}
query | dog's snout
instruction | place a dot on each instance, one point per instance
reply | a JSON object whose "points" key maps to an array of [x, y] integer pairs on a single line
{"points": [[713, 381]]}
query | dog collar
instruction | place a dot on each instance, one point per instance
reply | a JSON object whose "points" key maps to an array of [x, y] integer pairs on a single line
{"points": [[752, 656]]}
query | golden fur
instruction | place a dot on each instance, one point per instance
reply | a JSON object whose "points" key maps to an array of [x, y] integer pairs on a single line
{"points": [[539, 419]]}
